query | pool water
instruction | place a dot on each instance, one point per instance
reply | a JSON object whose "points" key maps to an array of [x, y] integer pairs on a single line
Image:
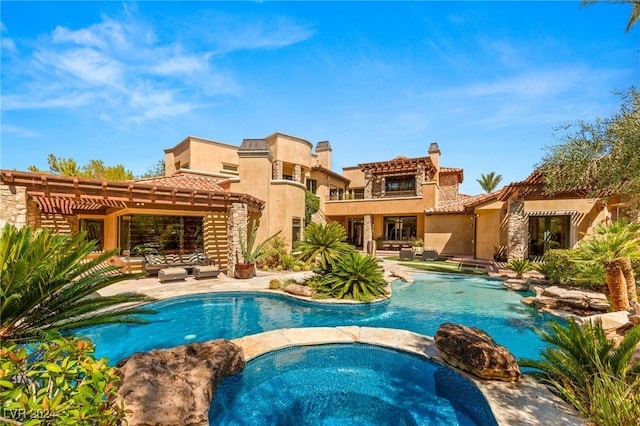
{"points": [[347, 384], [420, 307]]}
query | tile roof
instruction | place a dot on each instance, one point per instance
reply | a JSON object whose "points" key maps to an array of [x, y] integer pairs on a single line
{"points": [[185, 180], [330, 173], [463, 205]]}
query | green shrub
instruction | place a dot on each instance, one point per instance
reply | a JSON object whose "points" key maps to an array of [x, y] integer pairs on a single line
{"points": [[355, 276], [58, 382], [325, 243], [559, 267], [591, 372], [519, 266], [287, 261], [274, 250]]}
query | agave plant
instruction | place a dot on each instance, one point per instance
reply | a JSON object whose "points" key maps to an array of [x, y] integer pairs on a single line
{"points": [[355, 276], [251, 252], [585, 367], [48, 286], [327, 243], [520, 266]]}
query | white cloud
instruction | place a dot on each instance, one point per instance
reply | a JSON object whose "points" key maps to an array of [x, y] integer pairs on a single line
{"points": [[20, 131], [249, 34], [85, 64], [187, 64]]}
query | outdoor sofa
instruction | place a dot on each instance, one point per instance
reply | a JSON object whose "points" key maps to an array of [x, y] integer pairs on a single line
{"points": [[155, 262]]}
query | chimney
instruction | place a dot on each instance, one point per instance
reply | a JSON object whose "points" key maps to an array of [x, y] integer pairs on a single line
{"points": [[323, 153], [434, 154]]}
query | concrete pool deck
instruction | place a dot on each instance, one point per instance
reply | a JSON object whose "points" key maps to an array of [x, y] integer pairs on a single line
{"points": [[525, 403]]}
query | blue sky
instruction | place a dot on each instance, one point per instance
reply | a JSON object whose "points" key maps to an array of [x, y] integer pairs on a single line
{"points": [[488, 81]]}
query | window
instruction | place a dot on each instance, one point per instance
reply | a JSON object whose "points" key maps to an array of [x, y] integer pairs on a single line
{"points": [[548, 232], [403, 228], [312, 185], [400, 183], [230, 168], [95, 231], [143, 234], [296, 229]]}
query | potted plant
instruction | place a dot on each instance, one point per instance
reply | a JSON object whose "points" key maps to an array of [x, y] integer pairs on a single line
{"points": [[250, 254]]}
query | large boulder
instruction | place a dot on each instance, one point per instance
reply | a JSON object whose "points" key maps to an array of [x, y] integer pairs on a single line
{"points": [[299, 290], [176, 386], [472, 350]]}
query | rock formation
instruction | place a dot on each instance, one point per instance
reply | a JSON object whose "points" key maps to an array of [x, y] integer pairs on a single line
{"points": [[176, 386], [299, 290], [578, 302], [474, 351]]}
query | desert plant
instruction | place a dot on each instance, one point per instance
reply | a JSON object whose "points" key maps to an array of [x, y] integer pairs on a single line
{"points": [[274, 250], [614, 245], [57, 382], [287, 261], [327, 243], [275, 284], [354, 276], [585, 367], [519, 266], [251, 252], [48, 285]]}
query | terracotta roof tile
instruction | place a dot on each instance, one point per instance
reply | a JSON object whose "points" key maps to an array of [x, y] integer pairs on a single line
{"points": [[185, 180]]}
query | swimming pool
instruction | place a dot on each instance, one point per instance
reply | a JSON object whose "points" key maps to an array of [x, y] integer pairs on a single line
{"points": [[347, 384], [420, 307]]}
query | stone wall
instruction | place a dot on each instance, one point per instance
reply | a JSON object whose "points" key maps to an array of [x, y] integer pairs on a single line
{"points": [[516, 229], [238, 217], [13, 206], [448, 188]]}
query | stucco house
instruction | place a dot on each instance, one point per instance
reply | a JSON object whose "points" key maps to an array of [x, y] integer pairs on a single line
{"points": [[210, 188]]}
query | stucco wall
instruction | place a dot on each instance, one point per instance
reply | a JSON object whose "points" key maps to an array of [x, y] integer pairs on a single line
{"points": [[290, 149], [488, 230], [449, 234]]}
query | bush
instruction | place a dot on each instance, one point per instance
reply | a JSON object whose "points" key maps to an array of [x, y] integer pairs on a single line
{"points": [[58, 382], [558, 266], [355, 276], [275, 284], [520, 266]]}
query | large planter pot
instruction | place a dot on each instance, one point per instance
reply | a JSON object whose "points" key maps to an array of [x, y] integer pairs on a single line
{"points": [[245, 270]]}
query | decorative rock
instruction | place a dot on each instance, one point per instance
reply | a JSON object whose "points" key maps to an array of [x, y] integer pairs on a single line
{"points": [[403, 275], [610, 321], [516, 284], [299, 290], [579, 302], [176, 386], [472, 350]]}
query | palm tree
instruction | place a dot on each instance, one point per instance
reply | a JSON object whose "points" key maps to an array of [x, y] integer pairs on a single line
{"points": [[326, 242], [489, 182], [635, 9], [614, 245], [47, 285], [355, 276]]}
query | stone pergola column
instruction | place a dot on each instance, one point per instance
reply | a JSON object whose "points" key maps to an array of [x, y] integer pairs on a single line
{"points": [[368, 185], [277, 169], [297, 173], [13, 206], [420, 179], [236, 223], [516, 229], [383, 186]]}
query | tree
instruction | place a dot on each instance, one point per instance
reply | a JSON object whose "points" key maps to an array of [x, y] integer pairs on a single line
{"points": [[614, 245], [158, 169], [47, 285], [95, 169], [489, 182], [600, 157], [635, 9]]}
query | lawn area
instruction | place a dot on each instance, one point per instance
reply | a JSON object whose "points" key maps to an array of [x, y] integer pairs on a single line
{"points": [[439, 266]]}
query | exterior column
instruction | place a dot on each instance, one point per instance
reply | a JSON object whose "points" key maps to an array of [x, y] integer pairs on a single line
{"points": [[383, 186], [297, 173], [237, 221], [13, 206], [368, 185], [420, 179], [367, 231], [277, 170], [517, 229]]}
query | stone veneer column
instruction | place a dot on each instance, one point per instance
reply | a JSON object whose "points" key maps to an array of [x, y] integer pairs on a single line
{"points": [[368, 185], [13, 206], [516, 228], [420, 179], [383, 186], [237, 221], [367, 231], [277, 170], [297, 173]]}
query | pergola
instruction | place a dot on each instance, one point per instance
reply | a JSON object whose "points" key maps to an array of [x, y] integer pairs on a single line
{"points": [[69, 195]]}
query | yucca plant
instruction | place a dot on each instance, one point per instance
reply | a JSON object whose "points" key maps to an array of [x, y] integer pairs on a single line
{"points": [[519, 266], [584, 366], [49, 286], [252, 252], [355, 276], [325, 243]]}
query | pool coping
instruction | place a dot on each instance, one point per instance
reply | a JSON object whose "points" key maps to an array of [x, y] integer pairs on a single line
{"points": [[527, 402]]}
